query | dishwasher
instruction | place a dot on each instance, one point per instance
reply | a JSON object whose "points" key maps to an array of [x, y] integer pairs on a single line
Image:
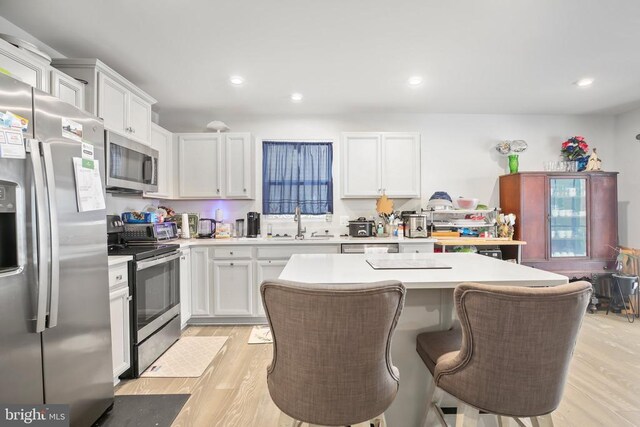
{"points": [[364, 248]]}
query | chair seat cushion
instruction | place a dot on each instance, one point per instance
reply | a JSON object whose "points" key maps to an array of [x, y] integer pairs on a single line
{"points": [[434, 347]]}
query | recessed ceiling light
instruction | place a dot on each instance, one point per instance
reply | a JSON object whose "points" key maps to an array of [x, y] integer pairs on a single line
{"points": [[415, 81], [586, 82], [296, 97], [236, 80]]}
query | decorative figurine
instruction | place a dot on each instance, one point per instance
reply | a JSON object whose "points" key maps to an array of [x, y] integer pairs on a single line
{"points": [[594, 163], [506, 225]]}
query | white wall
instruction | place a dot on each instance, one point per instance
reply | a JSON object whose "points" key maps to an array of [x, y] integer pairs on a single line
{"points": [[627, 159], [457, 152]]}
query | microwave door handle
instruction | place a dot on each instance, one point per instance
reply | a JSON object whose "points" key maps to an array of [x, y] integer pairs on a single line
{"points": [[147, 171], [154, 165], [42, 223], [55, 245]]}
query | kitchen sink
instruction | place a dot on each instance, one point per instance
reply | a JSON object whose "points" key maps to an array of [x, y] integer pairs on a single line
{"points": [[321, 237]]}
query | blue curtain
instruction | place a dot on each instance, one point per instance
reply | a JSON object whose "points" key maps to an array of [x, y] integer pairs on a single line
{"points": [[297, 174]]}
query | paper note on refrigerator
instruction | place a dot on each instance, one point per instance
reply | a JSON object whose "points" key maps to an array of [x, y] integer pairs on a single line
{"points": [[89, 193], [12, 145]]}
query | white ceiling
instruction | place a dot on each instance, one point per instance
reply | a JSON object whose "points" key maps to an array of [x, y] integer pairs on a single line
{"points": [[355, 56]]}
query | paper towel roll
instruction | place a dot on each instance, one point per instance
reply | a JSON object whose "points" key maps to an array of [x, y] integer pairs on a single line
{"points": [[219, 216], [186, 233]]}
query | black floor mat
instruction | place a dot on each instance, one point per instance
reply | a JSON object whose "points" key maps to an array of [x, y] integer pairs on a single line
{"points": [[144, 410]]}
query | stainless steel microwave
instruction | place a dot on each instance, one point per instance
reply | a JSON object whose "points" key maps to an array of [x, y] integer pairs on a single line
{"points": [[132, 167]]}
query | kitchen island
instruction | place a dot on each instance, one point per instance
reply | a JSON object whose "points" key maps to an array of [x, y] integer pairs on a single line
{"points": [[428, 304]]}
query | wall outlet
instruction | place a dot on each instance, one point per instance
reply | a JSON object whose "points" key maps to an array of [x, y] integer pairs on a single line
{"points": [[344, 220]]}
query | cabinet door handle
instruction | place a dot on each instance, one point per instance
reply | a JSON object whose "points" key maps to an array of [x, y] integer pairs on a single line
{"points": [[231, 264], [230, 253], [218, 190], [119, 277], [244, 189], [183, 257], [129, 298]]}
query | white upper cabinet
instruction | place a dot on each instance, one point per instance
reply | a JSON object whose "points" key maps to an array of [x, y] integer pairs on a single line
{"points": [[122, 111], [112, 104], [239, 170], [67, 89], [24, 66], [124, 107], [400, 169], [361, 164], [139, 118], [200, 158], [376, 163], [162, 140], [216, 165]]}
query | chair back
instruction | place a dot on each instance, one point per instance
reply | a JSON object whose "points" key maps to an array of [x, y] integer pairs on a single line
{"points": [[517, 343], [331, 349]]}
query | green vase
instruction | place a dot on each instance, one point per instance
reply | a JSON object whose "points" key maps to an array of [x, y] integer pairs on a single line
{"points": [[513, 163]]}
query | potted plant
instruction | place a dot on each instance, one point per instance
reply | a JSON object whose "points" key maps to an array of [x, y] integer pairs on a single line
{"points": [[575, 149]]}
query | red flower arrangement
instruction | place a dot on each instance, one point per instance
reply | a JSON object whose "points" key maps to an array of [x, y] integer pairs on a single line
{"points": [[574, 148]]}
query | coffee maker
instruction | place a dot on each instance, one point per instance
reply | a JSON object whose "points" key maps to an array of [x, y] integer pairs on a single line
{"points": [[253, 224]]}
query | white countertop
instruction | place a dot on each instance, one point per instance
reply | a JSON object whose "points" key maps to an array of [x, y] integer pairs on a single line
{"points": [[308, 241], [353, 268], [118, 259]]}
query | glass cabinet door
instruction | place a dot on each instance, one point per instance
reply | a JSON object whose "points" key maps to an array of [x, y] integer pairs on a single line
{"points": [[568, 217]]}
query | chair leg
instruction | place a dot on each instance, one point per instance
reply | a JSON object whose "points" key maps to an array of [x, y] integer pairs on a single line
{"points": [[543, 421], [287, 421], [431, 391], [467, 415], [503, 421]]}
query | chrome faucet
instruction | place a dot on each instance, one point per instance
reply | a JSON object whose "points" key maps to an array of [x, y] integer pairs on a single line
{"points": [[298, 217]]}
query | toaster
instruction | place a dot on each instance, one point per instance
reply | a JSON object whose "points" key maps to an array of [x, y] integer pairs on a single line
{"points": [[361, 228]]}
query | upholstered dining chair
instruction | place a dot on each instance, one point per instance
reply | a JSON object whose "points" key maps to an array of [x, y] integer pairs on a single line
{"points": [[331, 350], [510, 354]]}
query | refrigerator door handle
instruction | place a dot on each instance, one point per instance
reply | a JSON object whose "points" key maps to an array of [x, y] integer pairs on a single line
{"points": [[55, 243], [43, 236]]}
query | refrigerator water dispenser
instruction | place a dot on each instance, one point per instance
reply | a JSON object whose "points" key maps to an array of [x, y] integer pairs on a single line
{"points": [[8, 227]]}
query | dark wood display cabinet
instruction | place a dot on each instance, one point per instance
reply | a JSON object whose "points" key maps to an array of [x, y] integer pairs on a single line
{"points": [[569, 220]]}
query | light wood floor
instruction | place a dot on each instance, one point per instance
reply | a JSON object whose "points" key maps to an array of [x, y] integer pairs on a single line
{"points": [[603, 387]]}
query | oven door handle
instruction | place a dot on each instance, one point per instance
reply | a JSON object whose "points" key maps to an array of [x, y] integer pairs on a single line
{"points": [[141, 265]]}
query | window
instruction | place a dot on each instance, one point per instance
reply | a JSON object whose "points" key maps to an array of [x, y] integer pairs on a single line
{"points": [[297, 174]]}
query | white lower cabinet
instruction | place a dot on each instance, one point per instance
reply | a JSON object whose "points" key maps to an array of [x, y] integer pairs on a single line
{"points": [[266, 270], [232, 288], [225, 279], [185, 286], [200, 283], [420, 248], [120, 319]]}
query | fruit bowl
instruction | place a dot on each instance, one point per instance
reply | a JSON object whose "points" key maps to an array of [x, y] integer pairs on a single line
{"points": [[465, 203]]}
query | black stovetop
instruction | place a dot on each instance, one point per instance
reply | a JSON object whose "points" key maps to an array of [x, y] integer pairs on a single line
{"points": [[142, 251]]}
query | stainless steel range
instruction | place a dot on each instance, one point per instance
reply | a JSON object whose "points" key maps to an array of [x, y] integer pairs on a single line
{"points": [[155, 289]]}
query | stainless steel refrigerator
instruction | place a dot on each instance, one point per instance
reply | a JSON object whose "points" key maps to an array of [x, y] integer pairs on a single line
{"points": [[54, 293]]}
